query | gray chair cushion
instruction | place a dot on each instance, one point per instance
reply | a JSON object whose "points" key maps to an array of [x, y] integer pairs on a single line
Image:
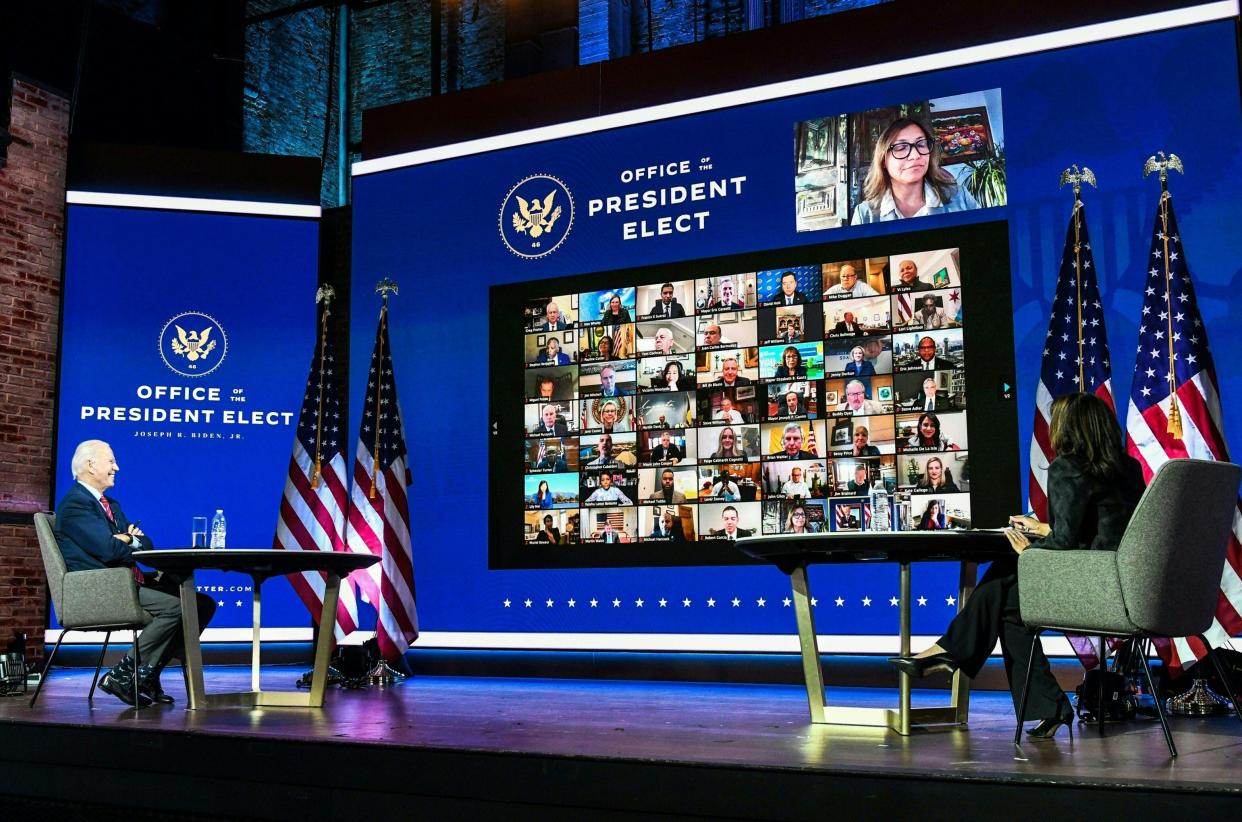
{"points": [[104, 598], [1072, 591]]}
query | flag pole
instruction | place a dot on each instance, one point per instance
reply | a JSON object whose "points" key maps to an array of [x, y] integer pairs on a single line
{"points": [[383, 288], [324, 295], [1076, 178], [1161, 163]]}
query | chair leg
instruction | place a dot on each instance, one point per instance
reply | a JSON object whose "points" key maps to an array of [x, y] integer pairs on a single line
{"points": [[1164, 722], [1224, 679], [1102, 650], [90, 697], [47, 666], [137, 665], [1026, 689]]}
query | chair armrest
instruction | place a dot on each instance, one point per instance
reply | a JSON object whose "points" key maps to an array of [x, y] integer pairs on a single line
{"points": [[107, 596], [1072, 590]]}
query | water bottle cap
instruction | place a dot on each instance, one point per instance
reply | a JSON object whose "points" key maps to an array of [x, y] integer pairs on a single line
{"points": [[219, 510]]}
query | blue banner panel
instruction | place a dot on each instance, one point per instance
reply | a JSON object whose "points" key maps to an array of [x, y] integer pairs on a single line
{"points": [[185, 345], [627, 199]]}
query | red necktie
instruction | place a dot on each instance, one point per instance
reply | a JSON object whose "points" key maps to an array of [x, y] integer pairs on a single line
{"points": [[138, 575]]}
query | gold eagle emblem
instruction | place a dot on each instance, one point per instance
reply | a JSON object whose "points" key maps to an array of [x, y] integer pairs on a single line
{"points": [[536, 217], [193, 345]]}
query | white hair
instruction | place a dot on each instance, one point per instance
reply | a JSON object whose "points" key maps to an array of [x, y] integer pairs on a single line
{"points": [[85, 451]]}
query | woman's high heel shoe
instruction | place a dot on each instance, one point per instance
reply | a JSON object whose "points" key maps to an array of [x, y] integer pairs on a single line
{"points": [[919, 667], [1047, 728]]}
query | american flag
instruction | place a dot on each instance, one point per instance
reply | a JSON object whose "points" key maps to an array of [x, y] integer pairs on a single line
{"points": [[312, 510], [1177, 414], [379, 516], [1076, 354]]}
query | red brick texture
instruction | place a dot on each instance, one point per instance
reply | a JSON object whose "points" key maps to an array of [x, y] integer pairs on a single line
{"points": [[32, 232]]}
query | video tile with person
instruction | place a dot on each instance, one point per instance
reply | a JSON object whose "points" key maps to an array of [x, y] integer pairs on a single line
{"points": [[851, 279], [927, 350], [661, 522], [858, 396], [552, 491], [795, 516], [554, 383], [728, 442], [730, 520], [726, 292], [728, 329], [795, 440], [788, 324], [727, 367], [551, 348], [847, 515], [796, 478], [613, 306], [616, 485], [858, 356], [792, 361], [795, 285], [670, 446], [930, 390], [668, 484], [551, 314], [551, 455], [943, 473], [924, 271], [862, 436], [846, 166], [666, 372], [928, 309], [608, 450], [857, 317], [666, 336], [932, 512], [555, 419], [610, 525], [557, 527], [851, 476], [607, 379], [926, 431], [666, 409], [727, 405], [611, 414], [667, 300], [793, 400], [604, 343], [730, 482]]}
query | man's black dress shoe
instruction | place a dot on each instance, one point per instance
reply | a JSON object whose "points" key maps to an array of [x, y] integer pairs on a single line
{"points": [[149, 685], [120, 683], [919, 667], [1047, 728]]}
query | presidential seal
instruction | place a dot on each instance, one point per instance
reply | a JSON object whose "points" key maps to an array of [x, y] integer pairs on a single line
{"points": [[193, 344], [536, 216]]}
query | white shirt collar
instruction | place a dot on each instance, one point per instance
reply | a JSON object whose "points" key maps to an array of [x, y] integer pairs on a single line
{"points": [[94, 493], [888, 206]]}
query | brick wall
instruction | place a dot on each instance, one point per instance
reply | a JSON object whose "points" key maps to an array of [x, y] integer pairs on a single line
{"points": [[32, 231]]}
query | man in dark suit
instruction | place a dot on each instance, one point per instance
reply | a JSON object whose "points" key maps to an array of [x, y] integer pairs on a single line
{"points": [[667, 450], [550, 422], [93, 532], [789, 293], [730, 531], [668, 305], [848, 325], [930, 399], [928, 361]]}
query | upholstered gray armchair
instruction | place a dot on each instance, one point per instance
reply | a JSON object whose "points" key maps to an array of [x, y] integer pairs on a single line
{"points": [[98, 600], [1162, 581]]}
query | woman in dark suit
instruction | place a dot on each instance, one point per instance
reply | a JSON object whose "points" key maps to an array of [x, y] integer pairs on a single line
{"points": [[791, 364], [1092, 490], [616, 314]]}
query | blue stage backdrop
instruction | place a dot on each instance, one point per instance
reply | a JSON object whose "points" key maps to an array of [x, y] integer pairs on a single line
{"points": [[433, 226], [186, 342]]}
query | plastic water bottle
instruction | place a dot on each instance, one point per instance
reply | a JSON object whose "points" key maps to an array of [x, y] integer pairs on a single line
{"points": [[218, 529], [881, 508]]}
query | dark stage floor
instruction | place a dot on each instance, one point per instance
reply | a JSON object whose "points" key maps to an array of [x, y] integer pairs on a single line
{"points": [[574, 748]]}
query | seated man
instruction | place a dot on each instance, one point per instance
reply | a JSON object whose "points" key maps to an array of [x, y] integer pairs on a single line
{"points": [[856, 400], [93, 533]]}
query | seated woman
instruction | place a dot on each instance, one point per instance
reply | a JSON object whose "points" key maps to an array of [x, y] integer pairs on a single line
{"points": [[1092, 490], [928, 435], [937, 478], [549, 533], [930, 521], [796, 522], [672, 379], [905, 178], [859, 365], [791, 364]]}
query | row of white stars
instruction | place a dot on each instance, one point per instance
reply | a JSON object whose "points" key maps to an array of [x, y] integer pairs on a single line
{"points": [[711, 602]]}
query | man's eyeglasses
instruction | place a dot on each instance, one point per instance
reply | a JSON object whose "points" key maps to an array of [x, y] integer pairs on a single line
{"points": [[901, 150]]}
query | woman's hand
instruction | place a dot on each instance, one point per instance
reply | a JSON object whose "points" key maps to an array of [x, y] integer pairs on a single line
{"points": [[1030, 525], [1017, 539]]}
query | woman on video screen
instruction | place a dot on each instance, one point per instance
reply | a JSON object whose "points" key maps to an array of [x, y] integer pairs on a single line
{"points": [[905, 178], [728, 445], [858, 364]]}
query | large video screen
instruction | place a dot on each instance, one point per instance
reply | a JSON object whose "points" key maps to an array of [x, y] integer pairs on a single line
{"points": [[669, 416]]}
